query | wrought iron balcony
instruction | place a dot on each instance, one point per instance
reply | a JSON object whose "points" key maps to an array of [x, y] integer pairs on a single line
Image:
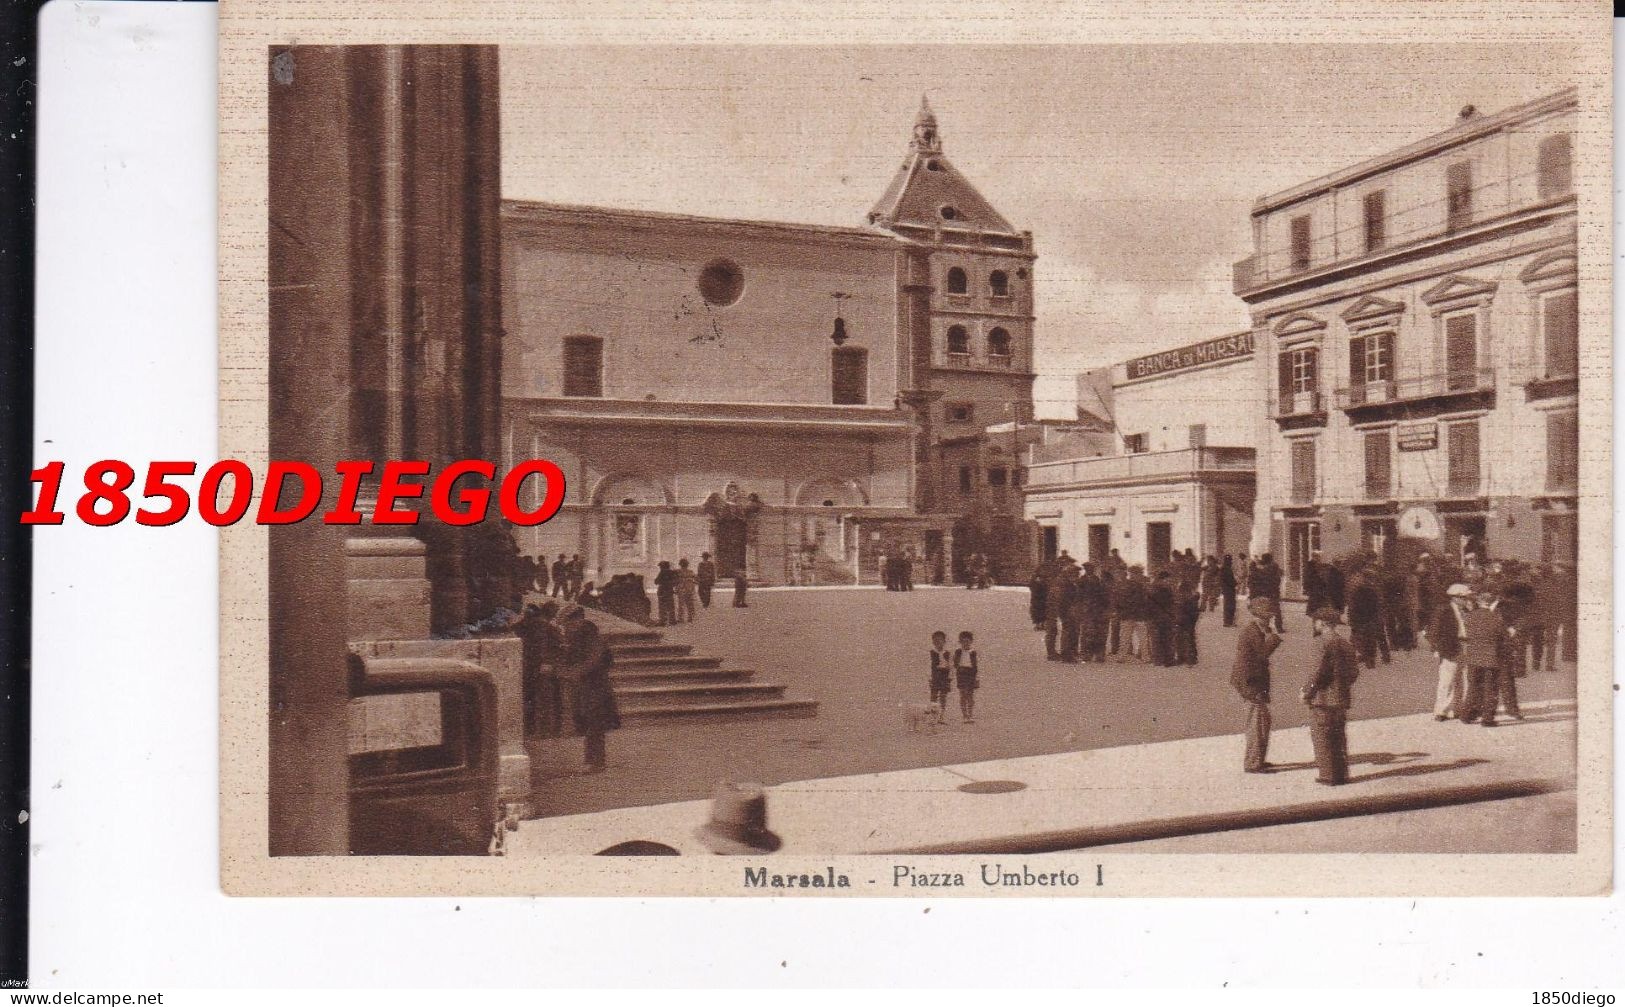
{"points": [[1148, 466], [1441, 386]]}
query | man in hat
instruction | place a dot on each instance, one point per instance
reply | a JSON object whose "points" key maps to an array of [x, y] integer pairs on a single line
{"points": [[1264, 581], [1250, 677], [585, 672], [738, 824], [706, 578], [1481, 653], [1446, 632], [1328, 698]]}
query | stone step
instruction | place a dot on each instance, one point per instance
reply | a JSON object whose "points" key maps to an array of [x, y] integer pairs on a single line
{"points": [[763, 709], [615, 637], [687, 661], [679, 676], [649, 649], [635, 697]]}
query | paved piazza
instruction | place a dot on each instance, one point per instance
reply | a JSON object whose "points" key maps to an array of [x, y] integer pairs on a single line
{"points": [[863, 655]]}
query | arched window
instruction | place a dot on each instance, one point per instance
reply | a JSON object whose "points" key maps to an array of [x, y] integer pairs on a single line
{"points": [[849, 376], [957, 284], [998, 345], [958, 340], [999, 282], [583, 367], [1554, 165]]}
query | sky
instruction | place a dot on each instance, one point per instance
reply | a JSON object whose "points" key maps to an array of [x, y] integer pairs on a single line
{"points": [[1135, 166]]}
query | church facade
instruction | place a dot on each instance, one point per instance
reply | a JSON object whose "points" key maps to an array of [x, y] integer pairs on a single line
{"points": [[779, 395]]}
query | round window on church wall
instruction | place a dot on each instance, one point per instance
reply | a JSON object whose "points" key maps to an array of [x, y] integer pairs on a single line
{"points": [[721, 282]]}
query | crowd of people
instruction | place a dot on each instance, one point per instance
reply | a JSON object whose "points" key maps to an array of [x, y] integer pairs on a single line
{"points": [[1111, 610], [1489, 625]]}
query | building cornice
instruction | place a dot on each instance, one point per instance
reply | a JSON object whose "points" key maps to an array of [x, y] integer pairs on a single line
{"points": [[540, 215], [1465, 132], [1519, 221]]}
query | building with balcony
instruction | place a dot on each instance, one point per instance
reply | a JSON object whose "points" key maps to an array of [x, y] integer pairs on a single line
{"points": [[1175, 470], [1416, 318]]}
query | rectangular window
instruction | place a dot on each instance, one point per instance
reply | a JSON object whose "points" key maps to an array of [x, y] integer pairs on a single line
{"points": [[1376, 220], [1463, 459], [966, 476], [1299, 377], [1562, 452], [1461, 353], [997, 475], [1303, 471], [1560, 332], [583, 367], [1554, 166], [1378, 466], [1371, 361], [849, 376], [960, 412], [1300, 243], [1458, 196], [1134, 443], [1198, 435]]}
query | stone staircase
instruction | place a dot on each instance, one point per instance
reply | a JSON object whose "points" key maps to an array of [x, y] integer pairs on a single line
{"points": [[659, 681]]}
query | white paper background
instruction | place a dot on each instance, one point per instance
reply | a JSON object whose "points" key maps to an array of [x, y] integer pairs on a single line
{"points": [[125, 855]]}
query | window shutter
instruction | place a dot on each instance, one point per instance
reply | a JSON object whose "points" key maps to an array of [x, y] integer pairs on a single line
{"points": [[1562, 451], [1357, 362], [1377, 467], [1555, 166], [1464, 458], [1560, 328], [1461, 351], [1285, 389]]}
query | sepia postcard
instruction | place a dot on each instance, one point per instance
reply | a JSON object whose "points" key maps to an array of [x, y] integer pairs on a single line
{"points": [[917, 449]]}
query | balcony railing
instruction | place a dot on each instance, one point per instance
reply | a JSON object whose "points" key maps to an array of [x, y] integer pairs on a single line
{"points": [[1378, 489], [1299, 404], [1149, 465], [998, 360], [959, 359], [1464, 381]]}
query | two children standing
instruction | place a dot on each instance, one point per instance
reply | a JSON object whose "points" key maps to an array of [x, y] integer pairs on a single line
{"points": [[962, 662]]}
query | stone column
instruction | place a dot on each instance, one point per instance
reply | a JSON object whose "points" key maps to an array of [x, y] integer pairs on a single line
{"points": [[311, 293]]}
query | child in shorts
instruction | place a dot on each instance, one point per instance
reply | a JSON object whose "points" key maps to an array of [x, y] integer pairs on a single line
{"points": [[965, 669], [941, 662]]}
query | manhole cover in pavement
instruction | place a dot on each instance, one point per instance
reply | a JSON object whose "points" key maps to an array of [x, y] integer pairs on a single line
{"points": [[992, 786]]}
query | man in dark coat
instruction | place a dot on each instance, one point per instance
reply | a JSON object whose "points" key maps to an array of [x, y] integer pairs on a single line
{"points": [[1327, 694], [706, 576], [1092, 603], [1161, 611], [541, 649], [1057, 597], [585, 671], [1035, 594], [1335, 594], [1314, 586], [1250, 677], [561, 575], [1071, 616], [1366, 619], [1227, 590], [1265, 582], [1187, 610], [666, 594]]}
